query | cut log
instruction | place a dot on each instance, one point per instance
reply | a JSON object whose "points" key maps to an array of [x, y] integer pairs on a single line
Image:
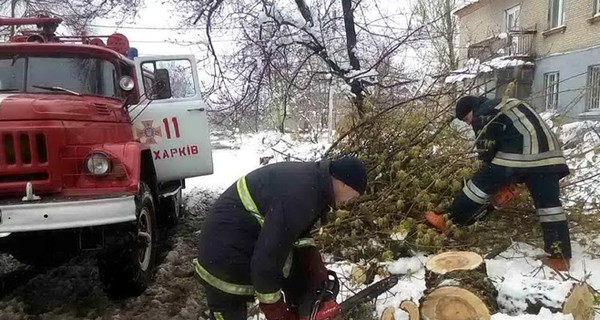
{"points": [[580, 302], [408, 306], [358, 275], [388, 314], [520, 295], [411, 308], [454, 303], [457, 288], [439, 265]]}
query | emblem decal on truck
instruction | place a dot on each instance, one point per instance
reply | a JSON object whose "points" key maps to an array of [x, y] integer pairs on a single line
{"points": [[149, 132]]}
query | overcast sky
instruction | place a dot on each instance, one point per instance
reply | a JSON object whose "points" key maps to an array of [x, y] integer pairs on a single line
{"points": [[164, 26], [158, 25]]}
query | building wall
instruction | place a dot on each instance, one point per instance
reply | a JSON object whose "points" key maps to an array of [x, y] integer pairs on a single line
{"points": [[579, 33], [480, 21], [486, 18], [572, 68]]}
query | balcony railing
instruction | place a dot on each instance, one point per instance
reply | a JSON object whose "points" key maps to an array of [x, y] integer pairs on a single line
{"points": [[516, 43]]}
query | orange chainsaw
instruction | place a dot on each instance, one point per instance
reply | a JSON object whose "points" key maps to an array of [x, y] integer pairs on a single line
{"points": [[506, 194], [500, 199]]}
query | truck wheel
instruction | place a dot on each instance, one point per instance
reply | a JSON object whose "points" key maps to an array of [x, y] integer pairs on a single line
{"points": [[173, 207], [127, 264]]}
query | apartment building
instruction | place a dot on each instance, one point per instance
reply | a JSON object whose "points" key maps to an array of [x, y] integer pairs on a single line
{"points": [[550, 47]]}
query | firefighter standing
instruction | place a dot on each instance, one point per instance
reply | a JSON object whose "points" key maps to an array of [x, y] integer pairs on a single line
{"points": [[256, 240], [516, 146]]}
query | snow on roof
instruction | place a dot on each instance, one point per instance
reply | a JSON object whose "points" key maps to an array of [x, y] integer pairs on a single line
{"points": [[473, 68], [461, 4]]}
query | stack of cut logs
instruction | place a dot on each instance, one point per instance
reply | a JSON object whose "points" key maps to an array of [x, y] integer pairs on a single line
{"points": [[458, 289]]}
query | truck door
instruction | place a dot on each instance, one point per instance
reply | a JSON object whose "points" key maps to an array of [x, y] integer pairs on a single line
{"points": [[172, 117]]}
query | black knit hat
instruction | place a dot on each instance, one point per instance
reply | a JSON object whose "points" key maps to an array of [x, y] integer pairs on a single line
{"points": [[465, 105], [351, 171]]}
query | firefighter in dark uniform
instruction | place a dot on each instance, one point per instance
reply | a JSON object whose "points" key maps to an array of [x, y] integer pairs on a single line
{"points": [[515, 146], [256, 241]]}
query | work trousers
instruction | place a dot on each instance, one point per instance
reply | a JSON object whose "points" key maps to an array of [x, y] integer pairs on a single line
{"points": [[297, 292], [469, 205]]}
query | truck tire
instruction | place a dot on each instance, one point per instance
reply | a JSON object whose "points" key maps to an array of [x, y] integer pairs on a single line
{"points": [[127, 263], [173, 208]]}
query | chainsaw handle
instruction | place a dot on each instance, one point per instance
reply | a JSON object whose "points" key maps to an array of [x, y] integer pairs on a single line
{"points": [[325, 305], [333, 284], [327, 310]]}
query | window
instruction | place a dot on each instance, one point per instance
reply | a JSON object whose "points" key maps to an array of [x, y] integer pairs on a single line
{"points": [[181, 80], [593, 87], [597, 7], [80, 74], [551, 90], [556, 13], [512, 18]]}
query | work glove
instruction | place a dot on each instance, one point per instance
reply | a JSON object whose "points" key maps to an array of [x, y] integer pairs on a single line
{"points": [[436, 220], [277, 311], [312, 263]]}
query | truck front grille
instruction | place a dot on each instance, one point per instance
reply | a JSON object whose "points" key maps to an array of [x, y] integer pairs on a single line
{"points": [[24, 177], [18, 149]]}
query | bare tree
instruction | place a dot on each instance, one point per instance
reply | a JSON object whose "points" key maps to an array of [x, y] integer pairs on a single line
{"points": [[301, 45], [442, 32], [77, 14]]}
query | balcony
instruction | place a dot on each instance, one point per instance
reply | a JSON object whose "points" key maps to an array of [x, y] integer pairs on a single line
{"points": [[515, 43]]}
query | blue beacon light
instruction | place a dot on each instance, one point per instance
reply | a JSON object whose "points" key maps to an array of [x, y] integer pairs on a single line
{"points": [[132, 53]]}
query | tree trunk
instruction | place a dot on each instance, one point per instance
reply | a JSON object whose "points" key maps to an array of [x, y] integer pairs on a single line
{"points": [[13, 12], [305, 11], [450, 35], [355, 85], [458, 288]]}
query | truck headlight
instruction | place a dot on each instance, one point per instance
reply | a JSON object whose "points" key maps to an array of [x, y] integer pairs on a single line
{"points": [[97, 164], [126, 83]]}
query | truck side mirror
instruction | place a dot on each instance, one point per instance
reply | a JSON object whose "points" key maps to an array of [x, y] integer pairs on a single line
{"points": [[162, 84]]}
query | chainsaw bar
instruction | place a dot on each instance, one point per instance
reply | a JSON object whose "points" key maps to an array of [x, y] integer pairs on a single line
{"points": [[369, 293]]}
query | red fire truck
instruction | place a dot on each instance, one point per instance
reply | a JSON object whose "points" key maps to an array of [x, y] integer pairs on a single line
{"points": [[95, 144]]}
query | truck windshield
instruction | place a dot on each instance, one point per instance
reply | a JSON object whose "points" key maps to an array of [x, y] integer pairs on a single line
{"points": [[90, 76]]}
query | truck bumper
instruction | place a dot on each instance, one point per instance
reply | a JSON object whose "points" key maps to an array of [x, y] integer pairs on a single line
{"points": [[65, 215]]}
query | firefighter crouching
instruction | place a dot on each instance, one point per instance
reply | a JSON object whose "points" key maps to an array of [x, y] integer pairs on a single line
{"points": [[256, 239], [516, 146]]}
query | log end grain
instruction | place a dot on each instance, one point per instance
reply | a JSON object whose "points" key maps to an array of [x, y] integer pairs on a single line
{"points": [[453, 303], [453, 261], [580, 303]]}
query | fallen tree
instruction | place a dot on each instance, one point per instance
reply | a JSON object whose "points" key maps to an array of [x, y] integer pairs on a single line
{"points": [[417, 161]]}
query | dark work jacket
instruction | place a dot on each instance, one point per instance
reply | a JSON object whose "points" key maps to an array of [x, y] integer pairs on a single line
{"points": [[292, 196], [517, 137]]}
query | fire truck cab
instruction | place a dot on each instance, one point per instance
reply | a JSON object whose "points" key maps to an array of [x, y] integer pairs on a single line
{"points": [[95, 144]]}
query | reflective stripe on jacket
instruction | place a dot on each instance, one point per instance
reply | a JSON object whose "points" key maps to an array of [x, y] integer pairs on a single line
{"points": [[239, 289], [512, 134]]}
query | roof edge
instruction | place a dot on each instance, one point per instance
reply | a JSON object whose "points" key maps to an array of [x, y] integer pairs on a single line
{"points": [[469, 8]]}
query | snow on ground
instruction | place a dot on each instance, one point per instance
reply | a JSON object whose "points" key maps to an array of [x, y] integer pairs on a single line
{"points": [[511, 271], [581, 140], [516, 273]]}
